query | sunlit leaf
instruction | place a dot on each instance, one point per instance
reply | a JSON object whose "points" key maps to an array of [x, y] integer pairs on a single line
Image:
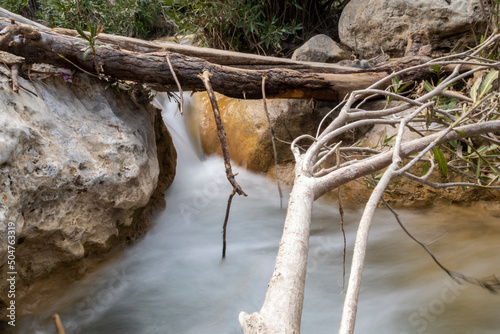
{"points": [[86, 53], [442, 163], [488, 83], [425, 168], [448, 103], [428, 86], [475, 89]]}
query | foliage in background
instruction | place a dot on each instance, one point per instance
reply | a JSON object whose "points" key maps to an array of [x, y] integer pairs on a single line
{"points": [[261, 26], [135, 18], [18, 6]]}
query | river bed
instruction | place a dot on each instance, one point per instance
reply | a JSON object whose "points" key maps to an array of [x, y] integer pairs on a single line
{"points": [[173, 280]]}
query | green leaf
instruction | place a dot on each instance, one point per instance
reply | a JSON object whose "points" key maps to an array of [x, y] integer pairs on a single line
{"points": [[478, 168], [428, 86], [488, 83], [86, 43], [402, 88], [425, 168], [396, 82], [436, 68], [92, 29], [462, 133], [82, 34], [443, 165], [474, 90], [86, 53], [448, 103], [389, 139]]}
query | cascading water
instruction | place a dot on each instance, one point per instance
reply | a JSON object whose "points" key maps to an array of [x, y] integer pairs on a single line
{"points": [[173, 280]]}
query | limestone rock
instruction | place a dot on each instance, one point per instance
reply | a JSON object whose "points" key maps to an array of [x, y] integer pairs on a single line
{"points": [[320, 48], [368, 26], [78, 165]]}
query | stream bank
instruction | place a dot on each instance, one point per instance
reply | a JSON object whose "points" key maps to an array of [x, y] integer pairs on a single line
{"points": [[249, 143], [173, 281], [79, 177]]}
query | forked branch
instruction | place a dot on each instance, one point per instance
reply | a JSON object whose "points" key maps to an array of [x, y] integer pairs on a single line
{"points": [[205, 77]]}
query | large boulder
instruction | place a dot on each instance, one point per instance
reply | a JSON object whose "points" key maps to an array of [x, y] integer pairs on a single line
{"points": [[320, 48], [78, 168], [369, 26]]}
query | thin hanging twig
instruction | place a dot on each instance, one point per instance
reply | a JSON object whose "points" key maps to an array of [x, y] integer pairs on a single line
{"points": [[181, 107], [205, 77], [341, 211], [492, 283], [272, 140], [224, 226], [14, 70]]}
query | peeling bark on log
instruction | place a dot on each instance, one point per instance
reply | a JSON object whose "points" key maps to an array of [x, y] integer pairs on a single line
{"points": [[220, 57], [152, 68]]}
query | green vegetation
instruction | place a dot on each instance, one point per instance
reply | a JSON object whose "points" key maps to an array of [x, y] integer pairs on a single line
{"points": [[261, 26], [135, 18], [270, 26]]}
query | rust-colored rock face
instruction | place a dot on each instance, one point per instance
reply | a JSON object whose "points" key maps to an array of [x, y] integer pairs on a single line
{"points": [[247, 129]]}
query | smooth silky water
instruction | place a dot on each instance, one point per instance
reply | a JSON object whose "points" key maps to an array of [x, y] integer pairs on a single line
{"points": [[173, 280]]}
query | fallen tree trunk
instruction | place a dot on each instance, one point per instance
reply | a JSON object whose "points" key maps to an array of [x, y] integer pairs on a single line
{"points": [[151, 68], [215, 56]]}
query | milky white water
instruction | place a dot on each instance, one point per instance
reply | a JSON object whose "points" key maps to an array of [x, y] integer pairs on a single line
{"points": [[173, 281]]}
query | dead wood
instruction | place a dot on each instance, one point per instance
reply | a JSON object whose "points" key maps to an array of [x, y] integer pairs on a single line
{"points": [[205, 78], [48, 46], [58, 323]]}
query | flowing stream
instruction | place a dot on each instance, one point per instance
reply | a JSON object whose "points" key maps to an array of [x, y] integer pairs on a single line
{"points": [[173, 280]]}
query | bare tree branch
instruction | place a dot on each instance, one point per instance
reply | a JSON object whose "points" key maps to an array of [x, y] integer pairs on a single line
{"points": [[205, 77], [492, 283], [179, 87], [272, 140]]}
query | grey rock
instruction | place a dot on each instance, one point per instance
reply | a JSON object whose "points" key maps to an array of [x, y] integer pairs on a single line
{"points": [[77, 164], [369, 26], [320, 48]]}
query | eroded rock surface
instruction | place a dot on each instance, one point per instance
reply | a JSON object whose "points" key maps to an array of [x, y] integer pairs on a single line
{"points": [[247, 129], [369, 26], [78, 167], [320, 48]]}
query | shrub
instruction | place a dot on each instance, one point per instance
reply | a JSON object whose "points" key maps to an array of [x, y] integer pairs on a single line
{"points": [[136, 18], [262, 26]]}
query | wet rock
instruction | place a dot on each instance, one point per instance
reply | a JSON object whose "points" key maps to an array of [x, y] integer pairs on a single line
{"points": [[247, 130], [78, 168]]}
